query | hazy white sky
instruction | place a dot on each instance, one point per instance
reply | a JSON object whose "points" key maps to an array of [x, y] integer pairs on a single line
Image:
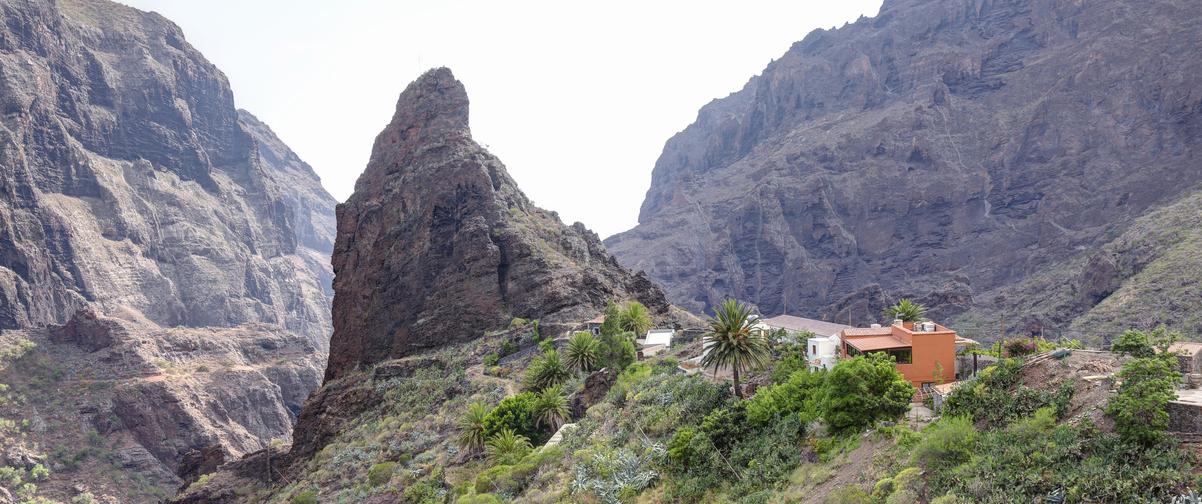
{"points": [[577, 99]]}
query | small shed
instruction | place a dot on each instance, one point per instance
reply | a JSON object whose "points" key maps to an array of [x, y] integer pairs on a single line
{"points": [[1189, 356]]}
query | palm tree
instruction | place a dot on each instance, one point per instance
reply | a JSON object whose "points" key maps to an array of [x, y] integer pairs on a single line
{"points": [[583, 352], [906, 311], [546, 370], [506, 448], [636, 318], [471, 427], [552, 408], [734, 341]]}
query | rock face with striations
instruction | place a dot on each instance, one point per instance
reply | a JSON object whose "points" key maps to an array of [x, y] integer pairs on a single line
{"points": [[438, 245], [155, 242], [940, 150]]}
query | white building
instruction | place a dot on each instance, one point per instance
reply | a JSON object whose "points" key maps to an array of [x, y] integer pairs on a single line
{"points": [[822, 338], [655, 341]]}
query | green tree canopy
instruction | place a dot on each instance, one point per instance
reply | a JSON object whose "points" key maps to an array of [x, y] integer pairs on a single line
{"points": [[635, 318], [863, 390], [471, 427]]}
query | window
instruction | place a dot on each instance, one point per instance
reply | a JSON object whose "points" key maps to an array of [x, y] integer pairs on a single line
{"points": [[902, 355], [851, 350], [813, 349]]}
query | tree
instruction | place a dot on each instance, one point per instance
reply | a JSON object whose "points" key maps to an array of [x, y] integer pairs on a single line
{"points": [[860, 391], [906, 311], [546, 370], [506, 448], [635, 318], [516, 413], [583, 352], [613, 319], [552, 408], [1144, 344], [471, 427], [1139, 408], [733, 341]]}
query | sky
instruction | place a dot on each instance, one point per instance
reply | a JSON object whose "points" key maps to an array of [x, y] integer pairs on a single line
{"points": [[576, 98]]}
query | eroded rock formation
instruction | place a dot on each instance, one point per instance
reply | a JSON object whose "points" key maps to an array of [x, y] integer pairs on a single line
{"points": [[438, 245]]}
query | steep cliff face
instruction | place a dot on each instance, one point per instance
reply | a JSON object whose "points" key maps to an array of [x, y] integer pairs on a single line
{"points": [[133, 193], [938, 150], [129, 183], [438, 245]]}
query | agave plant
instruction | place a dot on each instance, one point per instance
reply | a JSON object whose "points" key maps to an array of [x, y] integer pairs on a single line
{"points": [[906, 311], [583, 352], [506, 448], [552, 408], [734, 341], [471, 427]]}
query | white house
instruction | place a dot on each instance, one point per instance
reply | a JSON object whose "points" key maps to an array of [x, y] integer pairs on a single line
{"points": [[655, 341], [822, 345]]}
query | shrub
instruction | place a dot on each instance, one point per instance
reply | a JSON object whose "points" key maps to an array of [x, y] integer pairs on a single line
{"points": [[513, 479], [1149, 384], [39, 472], [516, 413], [950, 442], [518, 322], [801, 395], [1144, 344], [428, 490], [84, 498], [381, 473], [617, 350], [546, 370], [304, 497], [491, 360], [860, 391], [506, 448], [612, 476], [10, 477], [1021, 347], [508, 348]]}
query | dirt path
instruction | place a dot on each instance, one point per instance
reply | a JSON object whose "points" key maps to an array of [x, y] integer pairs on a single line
{"points": [[476, 373]]}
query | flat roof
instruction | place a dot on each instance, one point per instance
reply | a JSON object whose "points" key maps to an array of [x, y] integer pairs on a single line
{"points": [[1190, 348], [873, 343], [791, 323], [659, 337], [867, 331]]}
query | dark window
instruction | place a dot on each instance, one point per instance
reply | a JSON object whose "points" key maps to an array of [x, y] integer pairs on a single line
{"points": [[902, 355], [852, 351]]}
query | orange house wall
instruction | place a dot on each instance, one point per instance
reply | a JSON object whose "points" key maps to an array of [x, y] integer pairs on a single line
{"points": [[929, 349]]}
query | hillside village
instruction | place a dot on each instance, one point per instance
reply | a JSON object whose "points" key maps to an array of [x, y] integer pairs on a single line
{"points": [[598, 414]]}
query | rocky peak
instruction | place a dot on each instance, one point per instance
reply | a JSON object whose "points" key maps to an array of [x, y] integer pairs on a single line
{"points": [[438, 245]]}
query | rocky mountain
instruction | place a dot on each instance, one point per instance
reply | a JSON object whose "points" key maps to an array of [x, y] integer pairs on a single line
{"points": [[437, 251], [941, 150], [154, 241], [438, 245]]}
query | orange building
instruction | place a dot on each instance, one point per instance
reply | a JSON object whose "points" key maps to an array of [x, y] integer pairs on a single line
{"points": [[925, 352]]}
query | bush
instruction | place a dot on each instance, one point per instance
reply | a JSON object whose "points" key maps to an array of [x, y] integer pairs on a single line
{"points": [[512, 479], [996, 398], [516, 413], [491, 360], [39, 472], [381, 473], [863, 390], [583, 352], [617, 350], [428, 490], [800, 395], [1144, 344], [1021, 347], [1139, 408], [948, 442], [305, 497]]}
